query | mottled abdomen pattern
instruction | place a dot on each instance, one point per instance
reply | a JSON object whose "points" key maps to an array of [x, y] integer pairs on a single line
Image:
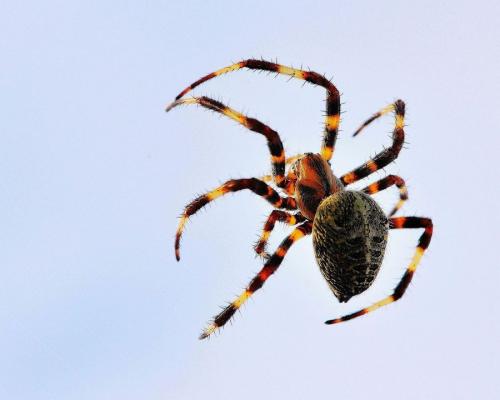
{"points": [[349, 237]]}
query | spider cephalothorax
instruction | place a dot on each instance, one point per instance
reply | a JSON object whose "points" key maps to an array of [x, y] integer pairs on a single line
{"points": [[349, 228]]}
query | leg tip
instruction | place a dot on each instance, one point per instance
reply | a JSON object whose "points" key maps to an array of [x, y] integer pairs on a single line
{"points": [[208, 331], [171, 105]]}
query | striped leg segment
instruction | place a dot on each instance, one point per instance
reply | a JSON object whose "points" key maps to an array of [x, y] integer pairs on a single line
{"points": [[273, 140], [386, 182], [276, 215], [387, 155], [258, 187], [256, 283], [423, 243], [375, 116], [332, 98]]}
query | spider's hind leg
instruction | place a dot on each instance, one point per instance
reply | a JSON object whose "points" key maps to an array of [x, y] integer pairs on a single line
{"points": [[256, 283], [398, 292]]}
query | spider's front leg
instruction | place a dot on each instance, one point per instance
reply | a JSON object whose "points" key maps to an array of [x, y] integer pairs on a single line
{"points": [[387, 182], [255, 185], [273, 139], [258, 281], [386, 156], [423, 244], [276, 215], [332, 117]]}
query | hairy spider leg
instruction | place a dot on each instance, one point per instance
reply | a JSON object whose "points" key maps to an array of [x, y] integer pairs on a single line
{"points": [[273, 139], [378, 114], [276, 215], [386, 182], [234, 185], [423, 243], [332, 117], [256, 283], [386, 156]]}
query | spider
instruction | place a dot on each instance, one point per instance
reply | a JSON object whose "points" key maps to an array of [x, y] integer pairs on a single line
{"points": [[349, 229]]}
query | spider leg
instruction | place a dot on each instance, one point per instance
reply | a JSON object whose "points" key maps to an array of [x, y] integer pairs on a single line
{"points": [[387, 155], [273, 139], [423, 243], [375, 116], [276, 215], [387, 182], [256, 283], [258, 187], [332, 118]]}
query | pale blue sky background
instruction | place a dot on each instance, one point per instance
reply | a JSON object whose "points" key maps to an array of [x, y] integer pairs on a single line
{"points": [[93, 175]]}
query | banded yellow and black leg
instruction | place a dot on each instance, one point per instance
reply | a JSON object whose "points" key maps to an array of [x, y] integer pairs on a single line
{"points": [[258, 281], [332, 117], [258, 187], [386, 156], [375, 116], [387, 182], [273, 139], [276, 215], [423, 243]]}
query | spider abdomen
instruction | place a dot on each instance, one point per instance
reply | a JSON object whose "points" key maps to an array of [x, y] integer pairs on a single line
{"points": [[349, 236]]}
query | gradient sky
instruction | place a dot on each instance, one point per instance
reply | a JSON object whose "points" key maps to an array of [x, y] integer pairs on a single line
{"points": [[93, 175]]}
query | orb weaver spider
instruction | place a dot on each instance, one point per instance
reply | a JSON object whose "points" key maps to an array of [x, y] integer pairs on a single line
{"points": [[349, 229]]}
